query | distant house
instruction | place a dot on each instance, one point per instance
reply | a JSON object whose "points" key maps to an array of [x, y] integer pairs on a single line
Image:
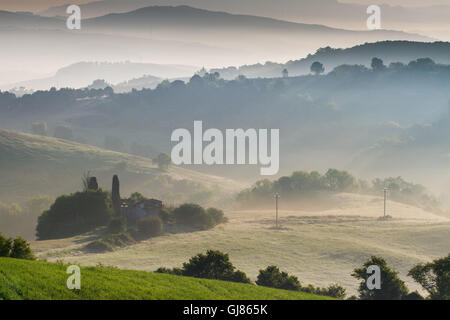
{"points": [[150, 207]]}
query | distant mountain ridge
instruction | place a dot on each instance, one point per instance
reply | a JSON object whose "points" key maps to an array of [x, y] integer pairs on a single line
{"points": [[388, 51], [170, 35], [82, 74], [432, 19]]}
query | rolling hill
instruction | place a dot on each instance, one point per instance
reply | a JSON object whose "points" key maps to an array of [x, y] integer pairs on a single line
{"points": [[153, 34], [31, 165], [320, 244], [37, 280]]}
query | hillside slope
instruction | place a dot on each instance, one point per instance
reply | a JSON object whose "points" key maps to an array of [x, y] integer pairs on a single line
{"points": [[20, 279], [31, 164]]}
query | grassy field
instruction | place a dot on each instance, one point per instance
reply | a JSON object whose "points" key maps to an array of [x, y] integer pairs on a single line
{"points": [[320, 246], [20, 279]]}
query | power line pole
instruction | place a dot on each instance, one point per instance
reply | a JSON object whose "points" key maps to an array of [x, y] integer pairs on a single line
{"points": [[277, 196]]}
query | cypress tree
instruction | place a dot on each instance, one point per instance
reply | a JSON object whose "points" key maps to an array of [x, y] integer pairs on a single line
{"points": [[115, 194]]}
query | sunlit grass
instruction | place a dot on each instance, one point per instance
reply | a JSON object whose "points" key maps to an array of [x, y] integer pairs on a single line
{"points": [[20, 279]]}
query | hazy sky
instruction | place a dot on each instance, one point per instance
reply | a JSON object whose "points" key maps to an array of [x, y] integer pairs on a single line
{"points": [[36, 5]]}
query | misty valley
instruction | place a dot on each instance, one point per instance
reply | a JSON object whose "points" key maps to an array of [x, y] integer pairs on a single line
{"points": [[224, 150]]}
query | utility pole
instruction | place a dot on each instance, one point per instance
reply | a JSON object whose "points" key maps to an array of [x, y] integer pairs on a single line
{"points": [[385, 198], [277, 196]]}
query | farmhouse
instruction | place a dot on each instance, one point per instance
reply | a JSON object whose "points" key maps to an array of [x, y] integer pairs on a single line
{"points": [[144, 208]]}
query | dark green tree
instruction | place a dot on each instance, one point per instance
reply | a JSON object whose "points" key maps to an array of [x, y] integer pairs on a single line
{"points": [[5, 246], [317, 68], [213, 265], [274, 278], [193, 215], [93, 184], [115, 194], [377, 64], [21, 250], [74, 214], [392, 287], [434, 277]]}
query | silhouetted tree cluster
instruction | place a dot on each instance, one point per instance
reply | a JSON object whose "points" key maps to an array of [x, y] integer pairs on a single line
{"points": [[301, 183], [15, 248], [196, 216], [212, 265], [74, 214]]}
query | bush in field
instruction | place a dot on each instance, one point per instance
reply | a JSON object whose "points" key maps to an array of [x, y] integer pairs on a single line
{"points": [[17, 248], [75, 214], [217, 215], [174, 271], [334, 291], [212, 265], [21, 250], [434, 277], [150, 226], [274, 278], [392, 287], [5, 246], [193, 215]]}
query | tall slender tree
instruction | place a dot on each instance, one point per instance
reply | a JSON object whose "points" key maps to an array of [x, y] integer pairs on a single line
{"points": [[115, 194]]}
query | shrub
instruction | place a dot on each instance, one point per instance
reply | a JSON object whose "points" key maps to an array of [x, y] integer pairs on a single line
{"points": [[117, 225], [174, 271], [5, 246], [217, 215], [274, 278], [74, 214], [213, 265], [21, 250], [334, 291], [193, 215], [392, 288], [150, 226]]}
